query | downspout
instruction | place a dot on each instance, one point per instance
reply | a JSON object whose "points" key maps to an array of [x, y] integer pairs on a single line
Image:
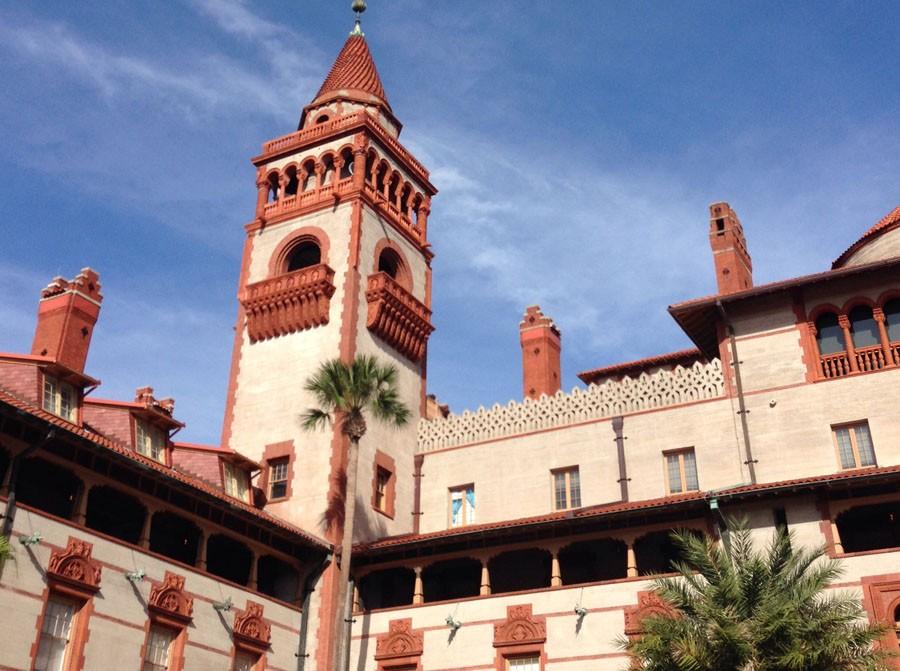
{"points": [[309, 586], [418, 460], [618, 424], [10, 515], [742, 406]]}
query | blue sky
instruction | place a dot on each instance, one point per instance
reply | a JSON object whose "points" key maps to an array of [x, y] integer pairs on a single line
{"points": [[576, 147]]}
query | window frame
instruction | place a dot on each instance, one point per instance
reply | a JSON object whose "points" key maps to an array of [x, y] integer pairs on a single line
{"points": [[566, 472], [53, 390], [469, 513], [229, 479], [854, 445], [71, 648], [271, 466], [382, 482], [679, 453], [155, 627], [148, 429]]}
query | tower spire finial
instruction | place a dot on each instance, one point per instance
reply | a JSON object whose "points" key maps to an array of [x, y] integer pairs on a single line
{"points": [[359, 6]]}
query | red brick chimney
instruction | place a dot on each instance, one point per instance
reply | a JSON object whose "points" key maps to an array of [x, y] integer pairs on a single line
{"points": [[540, 353], [66, 317], [734, 270]]}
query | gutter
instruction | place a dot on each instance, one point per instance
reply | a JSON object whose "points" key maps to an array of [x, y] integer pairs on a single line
{"points": [[742, 406]]}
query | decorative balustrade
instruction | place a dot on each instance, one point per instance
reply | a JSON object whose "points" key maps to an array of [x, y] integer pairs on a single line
{"points": [[835, 365], [288, 303], [870, 358], [392, 213], [397, 317], [298, 201], [895, 351], [663, 388]]}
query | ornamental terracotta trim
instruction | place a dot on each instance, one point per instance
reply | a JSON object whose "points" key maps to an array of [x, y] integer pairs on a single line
{"points": [[400, 641], [520, 628], [649, 603], [288, 303], [168, 598], [397, 317], [74, 567], [251, 630]]}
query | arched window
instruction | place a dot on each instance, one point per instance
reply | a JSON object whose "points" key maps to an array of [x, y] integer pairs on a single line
{"points": [[380, 176], [277, 578], [370, 166], [322, 118], [829, 334], [872, 527], [175, 537], [347, 167], [520, 570], [308, 170], [48, 487], [451, 579], [656, 551], [592, 561], [228, 558], [304, 255], [328, 174], [116, 514], [387, 588], [389, 262], [293, 183], [892, 317], [863, 326], [273, 186]]}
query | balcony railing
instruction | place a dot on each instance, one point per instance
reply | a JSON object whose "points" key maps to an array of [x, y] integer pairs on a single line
{"points": [[288, 303], [867, 359], [870, 358], [397, 317]]}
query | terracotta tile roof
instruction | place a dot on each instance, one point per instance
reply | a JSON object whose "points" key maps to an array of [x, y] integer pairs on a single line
{"points": [[354, 71], [889, 222], [113, 446], [739, 491], [681, 357]]}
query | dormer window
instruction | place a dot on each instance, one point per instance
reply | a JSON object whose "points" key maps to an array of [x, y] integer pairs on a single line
{"points": [[150, 440], [60, 398], [237, 484]]}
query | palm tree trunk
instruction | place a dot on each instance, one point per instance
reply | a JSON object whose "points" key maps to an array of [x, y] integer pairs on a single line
{"points": [[341, 627]]}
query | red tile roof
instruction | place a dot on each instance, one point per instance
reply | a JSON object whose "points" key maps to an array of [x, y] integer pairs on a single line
{"points": [[681, 357], [888, 223], [113, 446], [354, 71]]}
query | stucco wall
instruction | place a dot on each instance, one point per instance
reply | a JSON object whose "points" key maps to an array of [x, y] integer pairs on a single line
{"points": [[885, 246]]}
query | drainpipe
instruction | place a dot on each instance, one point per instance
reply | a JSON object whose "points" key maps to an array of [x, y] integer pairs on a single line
{"points": [[10, 515], [742, 406], [309, 586], [617, 425], [418, 460], [720, 523]]}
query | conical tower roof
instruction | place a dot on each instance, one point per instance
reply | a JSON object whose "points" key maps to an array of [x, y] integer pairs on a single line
{"points": [[353, 76]]}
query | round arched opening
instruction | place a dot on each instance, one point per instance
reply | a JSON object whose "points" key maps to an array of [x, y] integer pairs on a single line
{"points": [[322, 118], [892, 317], [389, 262], [304, 255], [865, 330], [829, 334]]}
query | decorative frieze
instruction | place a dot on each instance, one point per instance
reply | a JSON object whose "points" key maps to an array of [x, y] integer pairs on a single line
{"points": [[397, 317], [168, 598], [250, 629], [520, 628], [74, 566], [648, 391], [400, 641], [648, 604], [287, 303]]}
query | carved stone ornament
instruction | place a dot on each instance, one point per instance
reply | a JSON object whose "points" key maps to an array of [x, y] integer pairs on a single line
{"points": [[520, 628], [75, 567], [251, 629], [397, 317], [400, 641], [168, 597], [648, 604]]}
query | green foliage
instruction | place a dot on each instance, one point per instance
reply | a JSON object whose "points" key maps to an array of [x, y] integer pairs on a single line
{"points": [[739, 609], [344, 392], [6, 550]]}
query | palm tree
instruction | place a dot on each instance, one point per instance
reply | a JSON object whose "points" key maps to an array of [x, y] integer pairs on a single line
{"points": [[345, 393], [6, 551], [738, 609]]}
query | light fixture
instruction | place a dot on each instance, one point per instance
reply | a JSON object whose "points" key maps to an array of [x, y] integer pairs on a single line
{"points": [[135, 576], [453, 623], [33, 539], [580, 611], [223, 606]]}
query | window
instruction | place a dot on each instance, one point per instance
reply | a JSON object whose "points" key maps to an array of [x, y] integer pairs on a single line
{"points": [[55, 632], [529, 663], [278, 478], [150, 440], [829, 334], [245, 661], [863, 327], [382, 478], [462, 506], [237, 484], [159, 645], [854, 445], [681, 471], [59, 398], [566, 489], [304, 255]]}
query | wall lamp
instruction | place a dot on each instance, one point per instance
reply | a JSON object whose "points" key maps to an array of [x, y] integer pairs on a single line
{"points": [[33, 539]]}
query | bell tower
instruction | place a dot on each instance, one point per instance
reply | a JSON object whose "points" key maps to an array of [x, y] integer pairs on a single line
{"points": [[336, 263]]}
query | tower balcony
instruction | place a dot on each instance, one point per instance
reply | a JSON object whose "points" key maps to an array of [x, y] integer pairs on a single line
{"points": [[397, 317], [288, 303]]}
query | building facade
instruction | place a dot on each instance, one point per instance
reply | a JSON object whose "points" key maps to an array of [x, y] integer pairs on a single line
{"points": [[516, 537]]}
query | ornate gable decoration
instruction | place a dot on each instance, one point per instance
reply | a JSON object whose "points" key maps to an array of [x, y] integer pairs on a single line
{"points": [[251, 629], [648, 604], [400, 641], [520, 628], [75, 567], [168, 598]]}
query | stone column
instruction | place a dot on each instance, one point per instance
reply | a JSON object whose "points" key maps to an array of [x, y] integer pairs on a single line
{"points": [[878, 315], [419, 589], [80, 515], [262, 195], [357, 605], [201, 560], [631, 569], [836, 536], [359, 166], [254, 571], [320, 171], [282, 186], [555, 573], [485, 589], [144, 540], [844, 323]]}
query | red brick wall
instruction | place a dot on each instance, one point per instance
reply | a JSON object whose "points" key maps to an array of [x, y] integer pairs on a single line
{"points": [[114, 423], [203, 465], [21, 380]]}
